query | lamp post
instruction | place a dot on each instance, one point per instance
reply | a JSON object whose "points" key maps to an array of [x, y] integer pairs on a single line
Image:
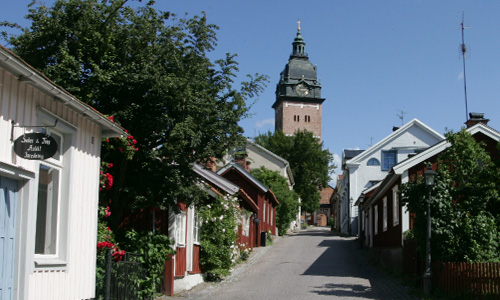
{"points": [[429, 176]]}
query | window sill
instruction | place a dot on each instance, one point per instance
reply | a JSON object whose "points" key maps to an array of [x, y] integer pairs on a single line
{"points": [[41, 263]]}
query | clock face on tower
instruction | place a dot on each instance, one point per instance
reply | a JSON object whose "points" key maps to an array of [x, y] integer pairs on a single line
{"points": [[302, 90]]}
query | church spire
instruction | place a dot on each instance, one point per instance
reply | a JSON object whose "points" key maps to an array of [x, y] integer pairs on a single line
{"points": [[298, 43]]}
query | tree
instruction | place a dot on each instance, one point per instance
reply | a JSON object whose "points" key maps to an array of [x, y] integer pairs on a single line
{"points": [[465, 223], [288, 206], [311, 164], [154, 79]]}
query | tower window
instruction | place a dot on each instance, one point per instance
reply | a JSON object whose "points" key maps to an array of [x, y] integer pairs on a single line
{"points": [[307, 119], [296, 118]]}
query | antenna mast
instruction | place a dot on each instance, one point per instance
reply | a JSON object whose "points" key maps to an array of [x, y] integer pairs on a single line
{"points": [[463, 49], [401, 115]]}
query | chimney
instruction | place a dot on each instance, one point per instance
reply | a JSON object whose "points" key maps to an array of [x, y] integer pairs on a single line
{"points": [[212, 164], [475, 118], [240, 157]]}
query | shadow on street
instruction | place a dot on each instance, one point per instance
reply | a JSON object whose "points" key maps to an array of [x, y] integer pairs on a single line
{"points": [[353, 275]]}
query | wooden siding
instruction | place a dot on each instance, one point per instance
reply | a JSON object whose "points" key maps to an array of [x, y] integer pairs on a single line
{"points": [[478, 279], [19, 102], [180, 262], [392, 237], [196, 260]]}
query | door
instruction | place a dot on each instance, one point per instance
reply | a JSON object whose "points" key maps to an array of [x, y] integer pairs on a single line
{"points": [[8, 204]]}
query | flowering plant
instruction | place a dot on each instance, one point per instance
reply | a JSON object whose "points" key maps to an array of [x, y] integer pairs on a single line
{"points": [[106, 179], [218, 236], [127, 146], [105, 237], [105, 240]]}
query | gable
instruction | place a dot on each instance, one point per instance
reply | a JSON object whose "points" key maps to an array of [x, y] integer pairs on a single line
{"points": [[412, 137], [479, 131]]}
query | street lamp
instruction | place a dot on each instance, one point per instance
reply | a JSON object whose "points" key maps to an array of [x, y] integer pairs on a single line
{"points": [[429, 176]]}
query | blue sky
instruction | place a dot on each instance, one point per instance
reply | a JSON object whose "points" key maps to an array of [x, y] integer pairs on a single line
{"points": [[375, 58]]}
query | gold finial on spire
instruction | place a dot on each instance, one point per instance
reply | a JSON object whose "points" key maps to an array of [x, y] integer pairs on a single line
{"points": [[298, 22]]}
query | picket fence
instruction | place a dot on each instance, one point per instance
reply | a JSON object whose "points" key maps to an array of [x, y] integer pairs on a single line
{"points": [[478, 279]]}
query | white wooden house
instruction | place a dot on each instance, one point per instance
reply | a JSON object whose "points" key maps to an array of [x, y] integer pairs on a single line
{"points": [[366, 168], [385, 219], [48, 208], [259, 156]]}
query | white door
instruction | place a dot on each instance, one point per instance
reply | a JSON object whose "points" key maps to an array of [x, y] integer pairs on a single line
{"points": [[8, 204]]}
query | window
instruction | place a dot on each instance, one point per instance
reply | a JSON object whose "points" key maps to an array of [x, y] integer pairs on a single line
{"points": [[47, 210], [245, 226], [388, 159], [395, 206], [196, 229], [307, 118], [180, 229], [373, 162], [51, 224], [384, 214], [271, 218], [264, 212], [296, 118], [363, 221], [375, 217]]}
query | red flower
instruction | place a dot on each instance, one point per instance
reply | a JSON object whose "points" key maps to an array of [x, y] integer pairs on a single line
{"points": [[109, 177], [134, 142], [108, 213], [130, 137], [107, 140], [118, 254], [110, 165], [102, 245], [111, 118]]}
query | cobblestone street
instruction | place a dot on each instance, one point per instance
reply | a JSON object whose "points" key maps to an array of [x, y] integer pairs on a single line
{"points": [[312, 264]]}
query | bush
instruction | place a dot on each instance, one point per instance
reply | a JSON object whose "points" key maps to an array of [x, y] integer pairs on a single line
{"points": [[153, 250], [218, 236]]}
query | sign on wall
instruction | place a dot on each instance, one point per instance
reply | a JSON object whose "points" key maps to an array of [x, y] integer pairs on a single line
{"points": [[35, 146]]}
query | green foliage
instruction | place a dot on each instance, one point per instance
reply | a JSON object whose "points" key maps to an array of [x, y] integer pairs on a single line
{"points": [[464, 227], [288, 206], [311, 164], [218, 236], [105, 240], [153, 250], [149, 70]]}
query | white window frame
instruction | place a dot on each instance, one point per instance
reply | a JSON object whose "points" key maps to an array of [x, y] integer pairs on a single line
{"points": [[363, 220], [180, 229], [196, 229], [59, 258], [264, 212], [395, 206], [375, 218], [245, 224], [384, 214]]}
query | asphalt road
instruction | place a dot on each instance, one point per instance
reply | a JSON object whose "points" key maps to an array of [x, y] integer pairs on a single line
{"points": [[311, 264]]}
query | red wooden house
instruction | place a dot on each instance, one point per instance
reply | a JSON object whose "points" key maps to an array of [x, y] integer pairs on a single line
{"points": [[264, 220]]}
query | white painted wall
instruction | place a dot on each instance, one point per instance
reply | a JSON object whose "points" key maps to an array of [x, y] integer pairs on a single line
{"points": [[73, 278], [360, 174]]}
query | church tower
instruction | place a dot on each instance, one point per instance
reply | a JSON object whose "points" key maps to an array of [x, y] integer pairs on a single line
{"points": [[298, 93]]}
